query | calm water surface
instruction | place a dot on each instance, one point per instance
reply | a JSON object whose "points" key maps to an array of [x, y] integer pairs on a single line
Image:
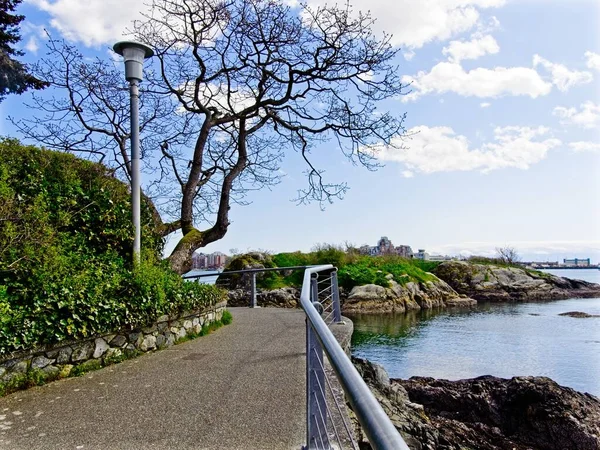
{"points": [[497, 339]]}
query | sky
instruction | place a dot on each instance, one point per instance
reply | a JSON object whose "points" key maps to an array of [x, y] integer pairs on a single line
{"points": [[504, 113]]}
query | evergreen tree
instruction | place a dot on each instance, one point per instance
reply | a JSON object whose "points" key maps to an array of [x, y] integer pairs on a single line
{"points": [[14, 76]]}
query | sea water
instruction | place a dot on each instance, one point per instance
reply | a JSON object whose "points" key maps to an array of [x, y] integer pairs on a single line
{"points": [[501, 339]]}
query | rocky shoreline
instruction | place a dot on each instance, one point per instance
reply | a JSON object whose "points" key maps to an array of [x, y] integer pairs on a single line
{"points": [[485, 413], [399, 298]]}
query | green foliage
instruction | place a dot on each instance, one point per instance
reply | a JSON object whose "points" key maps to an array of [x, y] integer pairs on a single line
{"points": [[427, 266], [353, 269], [65, 253], [373, 270], [227, 318], [85, 367], [208, 328], [33, 377]]}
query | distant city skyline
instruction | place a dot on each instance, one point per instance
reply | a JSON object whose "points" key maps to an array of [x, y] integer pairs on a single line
{"points": [[530, 251]]}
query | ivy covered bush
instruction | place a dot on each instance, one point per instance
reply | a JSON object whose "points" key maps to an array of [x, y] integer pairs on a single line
{"points": [[65, 253]]}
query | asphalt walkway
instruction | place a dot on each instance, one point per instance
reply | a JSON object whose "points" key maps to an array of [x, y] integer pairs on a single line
{"points": [[241, 387]]}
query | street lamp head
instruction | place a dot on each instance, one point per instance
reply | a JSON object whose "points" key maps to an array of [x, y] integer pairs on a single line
{"points": [[134, 54]]}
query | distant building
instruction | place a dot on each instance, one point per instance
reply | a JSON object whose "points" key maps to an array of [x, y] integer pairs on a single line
{"points": [[404, 251], [579, 262], [422, 255], [385, 247], [214, 260]]}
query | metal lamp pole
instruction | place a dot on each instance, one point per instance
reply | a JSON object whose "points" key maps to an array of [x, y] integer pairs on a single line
{"points": [[134, 54]]}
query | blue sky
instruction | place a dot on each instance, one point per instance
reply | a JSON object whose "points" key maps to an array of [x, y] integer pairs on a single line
{"points": [[506, 109]]}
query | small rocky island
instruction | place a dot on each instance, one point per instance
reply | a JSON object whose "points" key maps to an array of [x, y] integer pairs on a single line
{"points": [[448, 284]]}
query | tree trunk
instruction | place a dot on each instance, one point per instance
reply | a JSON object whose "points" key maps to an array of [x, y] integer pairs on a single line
{"points": [[181, 258]]}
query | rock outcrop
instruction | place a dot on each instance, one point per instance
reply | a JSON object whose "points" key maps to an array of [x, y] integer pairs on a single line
{"points": [[252, 260], [495, 283], [399, 298], [578, 314], [487, 413], [287, 297]]}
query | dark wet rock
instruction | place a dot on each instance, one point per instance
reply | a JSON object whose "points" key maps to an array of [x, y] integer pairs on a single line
{"points": [[487, 413], [518, 413], [578, 314], [407, 417]]}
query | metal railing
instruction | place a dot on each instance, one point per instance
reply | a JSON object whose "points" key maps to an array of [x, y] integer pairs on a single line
{"points": [[321, 427], [248, 279], [327, 426]]}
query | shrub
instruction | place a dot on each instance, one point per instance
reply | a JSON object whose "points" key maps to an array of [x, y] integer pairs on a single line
{"points": [[65, 253]]}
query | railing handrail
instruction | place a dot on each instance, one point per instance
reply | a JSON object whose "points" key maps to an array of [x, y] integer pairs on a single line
{"points": [[266, 269], [380, 431]]}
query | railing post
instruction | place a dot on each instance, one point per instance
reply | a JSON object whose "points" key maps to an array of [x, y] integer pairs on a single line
{"points": [[253, 302], [335, 292], [316, 412]]}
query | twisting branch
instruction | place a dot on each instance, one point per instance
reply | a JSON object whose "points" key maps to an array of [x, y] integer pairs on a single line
{"points": [[235, 85]]}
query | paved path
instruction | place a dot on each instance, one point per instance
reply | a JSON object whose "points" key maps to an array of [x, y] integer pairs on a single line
{"points": [[241, 387]]}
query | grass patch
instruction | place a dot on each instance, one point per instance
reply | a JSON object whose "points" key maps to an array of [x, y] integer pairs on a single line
{"points": [[538, 273], [85, 367], [34, 377], [227, 318], [354, 269]]}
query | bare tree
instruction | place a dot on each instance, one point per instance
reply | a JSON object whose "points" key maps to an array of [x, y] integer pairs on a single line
{"points": [[235, 84], [508, 255]]}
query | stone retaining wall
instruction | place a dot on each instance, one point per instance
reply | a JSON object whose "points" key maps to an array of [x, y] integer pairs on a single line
{"points": [[102, 350]]}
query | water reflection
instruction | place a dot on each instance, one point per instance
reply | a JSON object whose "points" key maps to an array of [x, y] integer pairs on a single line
{"points": [[498, 339]]}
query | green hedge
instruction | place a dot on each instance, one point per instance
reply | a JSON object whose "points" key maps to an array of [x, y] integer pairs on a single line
{"points": [[65, 253]]}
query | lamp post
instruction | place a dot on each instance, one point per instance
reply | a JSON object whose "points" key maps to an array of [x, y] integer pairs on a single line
{"points": [[134, 54]]}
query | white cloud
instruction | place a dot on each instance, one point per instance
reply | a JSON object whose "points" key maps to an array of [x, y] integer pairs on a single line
{"points": [[473, 49], [587, 117], [480, 82], [583, 146], [408, 55], [415, 23], [32, 44], [562, 77], [592, 60], [407, 174], [440, 149], [485, 104], [92, 22], [412, 23]]}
